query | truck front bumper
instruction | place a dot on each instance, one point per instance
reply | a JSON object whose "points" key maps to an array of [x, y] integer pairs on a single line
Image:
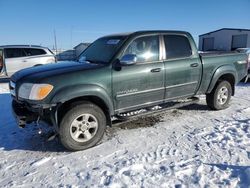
{"points": [[22, 115], [27, 114]]}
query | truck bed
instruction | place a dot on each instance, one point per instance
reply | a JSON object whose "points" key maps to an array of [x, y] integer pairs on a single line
{"points": [[207, 53], [211, 61]]}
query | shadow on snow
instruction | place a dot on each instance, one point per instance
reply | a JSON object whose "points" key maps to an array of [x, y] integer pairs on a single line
{"points": [[14, 138], [242, 172]]}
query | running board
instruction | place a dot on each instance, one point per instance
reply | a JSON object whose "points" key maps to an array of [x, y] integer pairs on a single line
{"points": [[134, 115]]}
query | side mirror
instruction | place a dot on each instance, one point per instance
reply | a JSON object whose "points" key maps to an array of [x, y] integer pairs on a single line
{"points": [[128, 59]]}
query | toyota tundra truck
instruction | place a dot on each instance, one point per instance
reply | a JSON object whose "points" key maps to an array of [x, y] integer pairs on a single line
{"points": [[119, 74]]}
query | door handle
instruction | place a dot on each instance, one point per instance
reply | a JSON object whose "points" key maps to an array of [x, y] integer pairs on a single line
{"points": [[194, 65], [24, 61], [156, 70]]}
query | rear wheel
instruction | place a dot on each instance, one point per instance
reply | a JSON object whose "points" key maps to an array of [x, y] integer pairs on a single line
{"points": [[82, 127], [220, 97]]}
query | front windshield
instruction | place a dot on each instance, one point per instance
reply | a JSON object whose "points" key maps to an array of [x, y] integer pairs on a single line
{"points": [[102, 50]]}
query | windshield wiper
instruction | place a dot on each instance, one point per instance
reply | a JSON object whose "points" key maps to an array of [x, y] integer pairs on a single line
{"points": [[86, 60], [95, 62], [82, 60], [90, 61]]}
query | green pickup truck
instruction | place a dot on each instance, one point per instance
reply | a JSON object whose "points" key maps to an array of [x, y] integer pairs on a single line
{"points": [[118, 74]]}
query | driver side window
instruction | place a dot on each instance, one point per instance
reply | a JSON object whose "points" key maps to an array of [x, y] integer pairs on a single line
{"points": [[145, 48]]}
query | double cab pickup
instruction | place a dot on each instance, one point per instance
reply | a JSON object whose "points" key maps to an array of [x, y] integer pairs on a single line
{"points": [[118, 74]]}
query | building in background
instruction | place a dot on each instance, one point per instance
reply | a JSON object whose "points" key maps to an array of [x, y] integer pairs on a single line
{"points": [[80, 48], [225, 39]]}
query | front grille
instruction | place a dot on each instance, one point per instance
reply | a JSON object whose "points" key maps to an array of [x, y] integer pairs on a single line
{"points": [[12, 88]]}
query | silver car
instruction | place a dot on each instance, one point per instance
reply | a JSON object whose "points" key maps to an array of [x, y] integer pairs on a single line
{"points": [[247, 51], [14, 58]]}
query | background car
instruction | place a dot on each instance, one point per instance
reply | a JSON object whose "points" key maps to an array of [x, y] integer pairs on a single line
{"points": [[17, 57], [247, 51]]}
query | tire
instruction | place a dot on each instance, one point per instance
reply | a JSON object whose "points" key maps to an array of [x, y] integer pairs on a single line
{"points": [[220, 96], [82, 127]]}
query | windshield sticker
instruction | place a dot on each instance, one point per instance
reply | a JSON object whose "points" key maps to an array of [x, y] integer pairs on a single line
{"points": [[113, 41]]}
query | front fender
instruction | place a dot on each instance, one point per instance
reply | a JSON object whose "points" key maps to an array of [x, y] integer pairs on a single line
{"points": [[71, 92], [224, 69]]}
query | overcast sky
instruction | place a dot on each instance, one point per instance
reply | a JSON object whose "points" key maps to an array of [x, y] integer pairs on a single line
{"points": [[33, 22]]}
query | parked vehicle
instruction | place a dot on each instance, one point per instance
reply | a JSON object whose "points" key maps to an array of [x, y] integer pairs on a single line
{"points": [[247, 51], [244, 50], [118, 74], [14, 58], [1, 60]]}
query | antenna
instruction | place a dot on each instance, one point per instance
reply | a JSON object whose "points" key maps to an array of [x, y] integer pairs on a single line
{"points": [[71, 37], [55, 40]]}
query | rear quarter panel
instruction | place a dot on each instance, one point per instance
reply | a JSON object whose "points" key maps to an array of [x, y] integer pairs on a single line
{"points": [[215, 66]]}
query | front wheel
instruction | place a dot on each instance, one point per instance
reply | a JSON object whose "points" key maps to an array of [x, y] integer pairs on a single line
{"points": [[220, 97], [82, 127]]}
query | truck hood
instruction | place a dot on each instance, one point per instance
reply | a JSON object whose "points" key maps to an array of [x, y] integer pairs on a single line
{"points": [[44, 71]]}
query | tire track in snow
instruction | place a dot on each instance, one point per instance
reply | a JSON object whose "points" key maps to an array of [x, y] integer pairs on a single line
{"points": [[175, 165]]}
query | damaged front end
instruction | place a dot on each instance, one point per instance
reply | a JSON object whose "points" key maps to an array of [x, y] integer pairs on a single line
{"points": [[25, 114], [22, 115]]}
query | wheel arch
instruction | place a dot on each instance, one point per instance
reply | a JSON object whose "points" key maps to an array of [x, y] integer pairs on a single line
{"points": [[67, 105], [73, 95], [227, 73]]}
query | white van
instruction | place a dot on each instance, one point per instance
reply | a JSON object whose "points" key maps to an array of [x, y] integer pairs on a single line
{"points": [[14, 58]]}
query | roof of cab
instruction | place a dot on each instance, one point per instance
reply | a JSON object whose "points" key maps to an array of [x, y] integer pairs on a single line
{"points": [[148, 32]]}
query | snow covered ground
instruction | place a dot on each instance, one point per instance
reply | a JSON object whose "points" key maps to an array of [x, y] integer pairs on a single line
{"points": [[187, 147]]}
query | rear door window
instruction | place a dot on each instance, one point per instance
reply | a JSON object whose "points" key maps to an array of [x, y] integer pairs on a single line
{"points": [[177, 46], [34, 51], [14, 52]]}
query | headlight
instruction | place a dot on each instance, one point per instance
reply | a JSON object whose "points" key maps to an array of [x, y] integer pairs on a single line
{"points": [[34, 91]]}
